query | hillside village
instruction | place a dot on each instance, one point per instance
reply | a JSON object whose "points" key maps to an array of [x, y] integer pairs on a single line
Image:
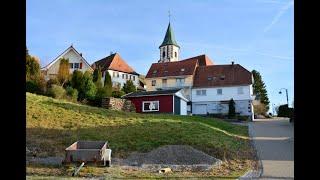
{"points": [[192, 86]]}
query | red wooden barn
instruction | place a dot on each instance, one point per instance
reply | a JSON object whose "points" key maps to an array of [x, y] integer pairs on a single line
{"points": [[161, 101]]}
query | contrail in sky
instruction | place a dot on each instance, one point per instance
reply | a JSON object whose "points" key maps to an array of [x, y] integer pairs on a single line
{"points": [[277, 17]]}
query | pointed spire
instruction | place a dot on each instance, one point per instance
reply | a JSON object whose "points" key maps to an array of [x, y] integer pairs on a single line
{"points": [[169, 38]]}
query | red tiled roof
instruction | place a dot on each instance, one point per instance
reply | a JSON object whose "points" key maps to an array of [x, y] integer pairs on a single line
{"points": [[203, 60], [114, 62], [233, 75], [174, 68], [177, 68]]}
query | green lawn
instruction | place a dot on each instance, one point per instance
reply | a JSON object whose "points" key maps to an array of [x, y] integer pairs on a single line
{"points": [[53, 124]]}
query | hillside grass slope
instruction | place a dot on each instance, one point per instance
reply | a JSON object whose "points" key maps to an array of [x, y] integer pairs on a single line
{"points": [[53, 125]]}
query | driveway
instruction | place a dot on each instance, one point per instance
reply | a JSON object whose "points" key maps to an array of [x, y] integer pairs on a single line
{"points": [[274, 141]]}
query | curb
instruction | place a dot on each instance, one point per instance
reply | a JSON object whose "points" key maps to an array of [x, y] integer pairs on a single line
{"points": [[253, 173]]}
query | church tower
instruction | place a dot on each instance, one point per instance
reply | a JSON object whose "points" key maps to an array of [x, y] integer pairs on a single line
{"points": [[169, 49]]}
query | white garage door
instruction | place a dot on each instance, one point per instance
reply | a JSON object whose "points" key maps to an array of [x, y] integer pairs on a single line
{"points": [[200, 109]]}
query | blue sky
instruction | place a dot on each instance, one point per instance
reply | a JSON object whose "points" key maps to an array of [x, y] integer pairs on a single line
{"points": [[258, 34]]}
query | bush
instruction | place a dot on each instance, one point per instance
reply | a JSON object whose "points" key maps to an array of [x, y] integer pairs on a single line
{"points": [[285, 111], [52, 82], [232, 109], [259, 109], [118, 94], [129, 87], [57, 92], [37, 86], [243, 118], [72, 93]]}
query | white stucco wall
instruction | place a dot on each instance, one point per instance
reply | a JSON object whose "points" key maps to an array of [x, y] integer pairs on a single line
{"points": [[227, 94], [121, 80], [210, 103]]}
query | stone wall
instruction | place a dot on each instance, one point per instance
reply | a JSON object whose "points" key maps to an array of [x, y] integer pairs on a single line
{"points": [[118, 104]]}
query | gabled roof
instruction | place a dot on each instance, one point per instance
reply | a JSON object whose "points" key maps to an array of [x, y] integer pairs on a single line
{"points": [[177, 68], [174, 68], [151, 93], [176, 92], [62, 54], [169, 38], [221, 75], [114, 62]]}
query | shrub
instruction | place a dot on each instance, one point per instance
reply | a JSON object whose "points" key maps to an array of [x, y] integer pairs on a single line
{"points": [[63, 73], [243, 118], [259, 109], [129, 87], [87, 87], [285, 111], [118, 94], [51, 82], [32, 68], [32, 86], [232, 109], [57, 92], [72, 93]]}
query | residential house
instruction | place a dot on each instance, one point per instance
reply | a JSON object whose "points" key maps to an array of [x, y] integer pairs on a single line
{"points": [[215, 85], [76, 61], [118, 69]]}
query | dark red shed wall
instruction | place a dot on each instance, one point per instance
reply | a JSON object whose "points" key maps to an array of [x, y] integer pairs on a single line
{"points": [[165, 103]]}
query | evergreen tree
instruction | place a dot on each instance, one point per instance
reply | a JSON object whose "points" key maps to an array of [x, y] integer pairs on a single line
{"points": [[97, 76], [63, 73], [87, 87], [232, 109], [76, 79], [259, 89], [129, 87], [107, 85]]}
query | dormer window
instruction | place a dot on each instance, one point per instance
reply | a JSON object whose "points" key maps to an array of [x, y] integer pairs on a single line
{"points": [[209, 78], [182, 69], [154, 72], [165, 71], [222, 77]]}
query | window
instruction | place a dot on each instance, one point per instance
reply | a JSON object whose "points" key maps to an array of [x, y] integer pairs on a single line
{"points": [[80, 65], [222, 77], [209, 78], [71, 65], [164, 82], [163, 54], [240, 90], [180, 81], [201, 92], [153, 82], [126, 76], [182, 69], [76, 65], [114, 74], [134, 78], [149, 106], [219, 91], [117, 74], [122, 76], [175, 54]]}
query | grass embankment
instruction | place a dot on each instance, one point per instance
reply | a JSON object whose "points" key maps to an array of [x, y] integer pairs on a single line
{"points": [[52, 125]]}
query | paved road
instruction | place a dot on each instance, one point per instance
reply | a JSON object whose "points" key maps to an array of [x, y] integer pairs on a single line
{"points": [[274, 141]]}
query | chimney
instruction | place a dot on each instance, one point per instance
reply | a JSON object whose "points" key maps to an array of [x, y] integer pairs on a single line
{"points": [[232, 63], [81, 54]]}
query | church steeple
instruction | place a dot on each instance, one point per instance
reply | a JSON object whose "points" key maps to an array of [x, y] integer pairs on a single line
{"points": [[169, 39], [169, 48]]}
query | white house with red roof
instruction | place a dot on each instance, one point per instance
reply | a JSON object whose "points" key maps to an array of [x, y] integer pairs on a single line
{"points": [[118, 69]]}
